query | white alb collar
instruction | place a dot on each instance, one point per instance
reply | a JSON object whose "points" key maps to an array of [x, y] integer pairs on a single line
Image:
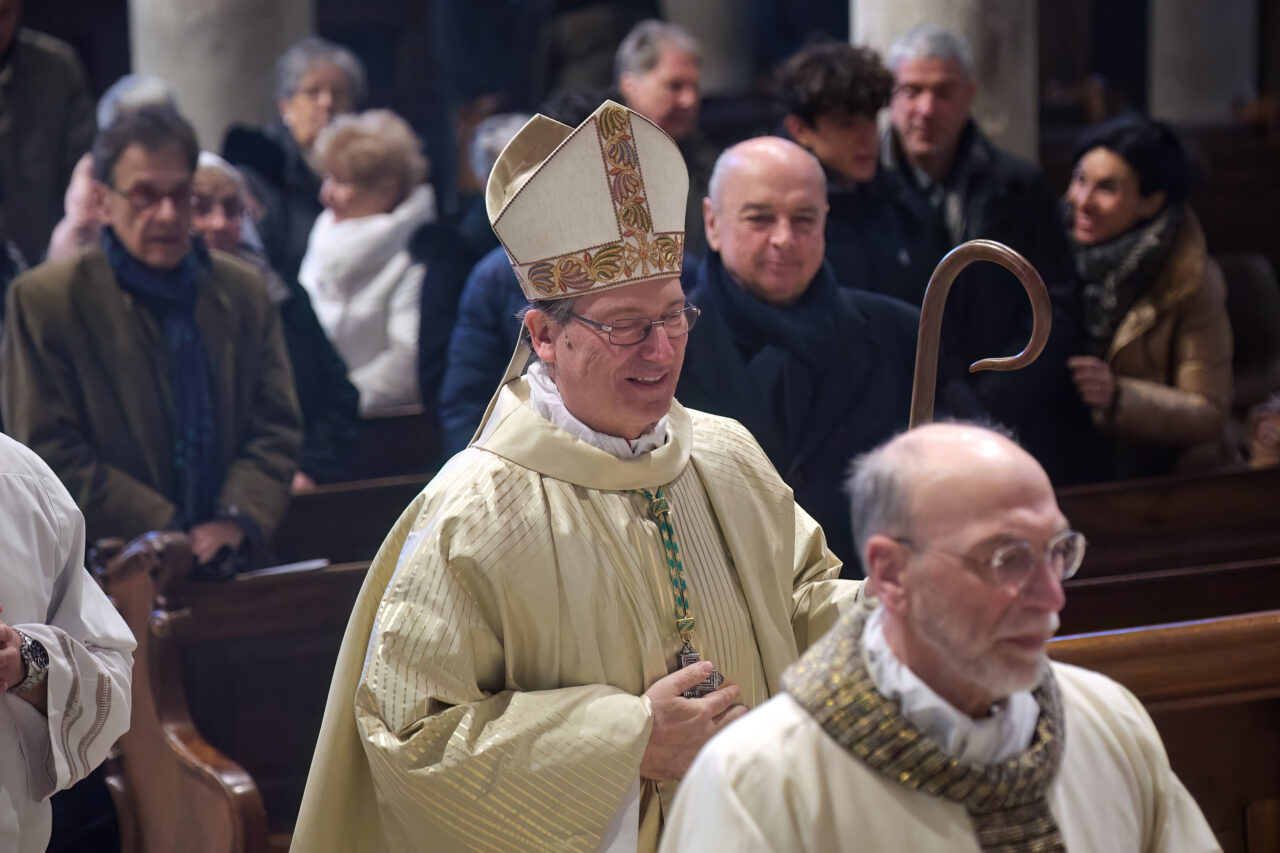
{"points": [[545, 399], [990, 740]]}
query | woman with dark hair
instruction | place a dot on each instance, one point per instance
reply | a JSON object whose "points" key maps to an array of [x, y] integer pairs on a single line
{"points": [[1157, 373]]}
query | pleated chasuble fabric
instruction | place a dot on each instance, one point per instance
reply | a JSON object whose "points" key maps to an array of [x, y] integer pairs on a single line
{"points": [[489, 682]]}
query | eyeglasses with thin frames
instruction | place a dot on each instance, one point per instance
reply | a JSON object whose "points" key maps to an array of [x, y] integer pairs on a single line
{"points": [[629, 331], [1013, 563], [143, 198]]}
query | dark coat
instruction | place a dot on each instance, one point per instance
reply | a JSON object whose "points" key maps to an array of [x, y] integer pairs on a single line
{"points": [[329, 402], [882, 237], [857, 400], [84, 384], [450, 249], [988, 313], [288, 189], [46, 124], [480, 347]]}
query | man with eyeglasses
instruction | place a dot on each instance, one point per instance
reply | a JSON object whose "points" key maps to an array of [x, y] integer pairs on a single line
{"points": [[149, 374], [601, 581], [817, 372], [933, 719]]}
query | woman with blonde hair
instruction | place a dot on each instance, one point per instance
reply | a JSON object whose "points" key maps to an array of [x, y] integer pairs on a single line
{"points": [[363, 280]]}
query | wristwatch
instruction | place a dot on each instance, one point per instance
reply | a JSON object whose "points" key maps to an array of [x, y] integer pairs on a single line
{"points": [[37, 661]]}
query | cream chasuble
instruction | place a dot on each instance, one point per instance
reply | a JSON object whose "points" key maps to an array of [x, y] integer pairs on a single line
{"points": [[776, 781], [488, 691]]}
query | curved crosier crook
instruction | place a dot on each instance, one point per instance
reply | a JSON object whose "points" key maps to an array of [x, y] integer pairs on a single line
{"points": [[935, 299]]}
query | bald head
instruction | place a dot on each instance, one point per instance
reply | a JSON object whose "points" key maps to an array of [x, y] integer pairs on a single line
{"points": [[763, 152], [930, 464], [765, 214], [944, 514]]}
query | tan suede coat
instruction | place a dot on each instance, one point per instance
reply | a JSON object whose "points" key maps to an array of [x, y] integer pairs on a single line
{"points": [[84, 383], [1172, 358]]}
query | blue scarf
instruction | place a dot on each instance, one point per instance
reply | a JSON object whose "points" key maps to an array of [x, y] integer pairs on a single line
{"points": [[171, 296], [787, 349]]}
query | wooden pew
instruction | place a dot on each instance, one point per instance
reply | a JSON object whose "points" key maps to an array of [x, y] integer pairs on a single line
{"points": [[1212, 688], [1154, 524], [344, 522], [172, 790], [1100, 601], [1172, 522], [258, 656], [390, 443]]}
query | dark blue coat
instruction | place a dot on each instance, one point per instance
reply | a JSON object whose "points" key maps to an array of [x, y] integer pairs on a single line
{"points": [[811, 419]]}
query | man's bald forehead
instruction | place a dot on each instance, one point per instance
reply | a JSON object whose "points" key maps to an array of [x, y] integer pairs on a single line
{"points": [[763, 152]]}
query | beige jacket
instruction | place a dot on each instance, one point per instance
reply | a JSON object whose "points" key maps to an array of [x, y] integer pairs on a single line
{"points": [[1171, 356]]}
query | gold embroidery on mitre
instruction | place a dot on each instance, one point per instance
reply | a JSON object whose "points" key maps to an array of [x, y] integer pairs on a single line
{"points": [[640, 254]]}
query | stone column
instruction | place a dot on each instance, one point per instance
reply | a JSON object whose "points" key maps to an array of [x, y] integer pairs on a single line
{"points": [[1003, 36], [725, 29], [219, 54], [1203, 58]]}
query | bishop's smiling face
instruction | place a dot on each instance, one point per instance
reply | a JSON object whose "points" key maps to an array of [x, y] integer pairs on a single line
{"points": [[616, 390]]}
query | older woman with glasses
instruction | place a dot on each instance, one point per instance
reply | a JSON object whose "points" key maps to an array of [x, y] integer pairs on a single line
{"points": [[1156, 372], [363, 280], [316, 81], [327, 398]]}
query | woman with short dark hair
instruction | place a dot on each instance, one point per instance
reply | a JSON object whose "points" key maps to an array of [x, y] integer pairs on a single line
{"points": [[1157, 368]]}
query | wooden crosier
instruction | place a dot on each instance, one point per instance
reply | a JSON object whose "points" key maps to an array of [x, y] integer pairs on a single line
{"points": [[924, 386]]}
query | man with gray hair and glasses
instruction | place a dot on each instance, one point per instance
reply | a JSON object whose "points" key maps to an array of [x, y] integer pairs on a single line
{"points": [[658, 69], [934, 720], [978, 191]]}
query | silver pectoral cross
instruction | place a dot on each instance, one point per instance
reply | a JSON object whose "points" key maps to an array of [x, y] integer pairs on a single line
{"points": [[689, 655]]}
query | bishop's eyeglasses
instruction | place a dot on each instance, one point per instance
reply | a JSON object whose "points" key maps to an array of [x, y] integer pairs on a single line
{"points": [[1013, 563], [629, 331]]}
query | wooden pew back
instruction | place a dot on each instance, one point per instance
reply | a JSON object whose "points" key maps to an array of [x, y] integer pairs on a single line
{"points": [[1177, 521], [172, 790], [1212, 688]]}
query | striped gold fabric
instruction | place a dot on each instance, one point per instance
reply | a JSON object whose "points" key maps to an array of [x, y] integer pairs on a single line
{"points": [[517, 613]]}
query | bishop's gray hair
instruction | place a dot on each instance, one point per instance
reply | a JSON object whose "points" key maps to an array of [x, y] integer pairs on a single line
{"points": [[642, 48], [312, 51], [558, 311], [929, 41]]}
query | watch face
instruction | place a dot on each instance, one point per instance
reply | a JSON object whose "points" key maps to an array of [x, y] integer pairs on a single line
{"points": [[39, 657]]}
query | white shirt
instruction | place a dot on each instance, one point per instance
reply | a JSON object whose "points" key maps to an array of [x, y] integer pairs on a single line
{"points": [[1007, 731], [545, 398], [47, 594]]}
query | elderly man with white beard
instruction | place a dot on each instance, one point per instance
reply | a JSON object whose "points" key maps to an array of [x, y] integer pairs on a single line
{"points": [[934, 720]]}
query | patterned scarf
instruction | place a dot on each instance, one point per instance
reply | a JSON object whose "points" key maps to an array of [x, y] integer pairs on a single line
{"points": [[171, 296], [1117, 272], [1007, 802]]}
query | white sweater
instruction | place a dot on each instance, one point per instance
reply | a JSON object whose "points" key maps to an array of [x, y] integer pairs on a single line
{"points": [[365, 289]]}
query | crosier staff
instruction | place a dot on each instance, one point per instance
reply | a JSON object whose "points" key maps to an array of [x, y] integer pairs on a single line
{"points": [[924, 385]]}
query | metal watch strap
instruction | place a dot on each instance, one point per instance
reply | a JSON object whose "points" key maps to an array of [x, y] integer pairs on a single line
{"points": [[37, 661]]}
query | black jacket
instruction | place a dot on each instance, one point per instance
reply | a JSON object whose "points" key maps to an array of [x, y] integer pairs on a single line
{"points": [[988, 314]]}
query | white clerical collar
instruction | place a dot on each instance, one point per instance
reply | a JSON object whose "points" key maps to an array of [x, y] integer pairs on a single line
{"points": [[990, 740], [545, 399]]}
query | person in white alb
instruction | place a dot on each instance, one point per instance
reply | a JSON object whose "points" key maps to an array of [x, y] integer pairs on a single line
{"points": [[934, 721], [65, 653]]}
